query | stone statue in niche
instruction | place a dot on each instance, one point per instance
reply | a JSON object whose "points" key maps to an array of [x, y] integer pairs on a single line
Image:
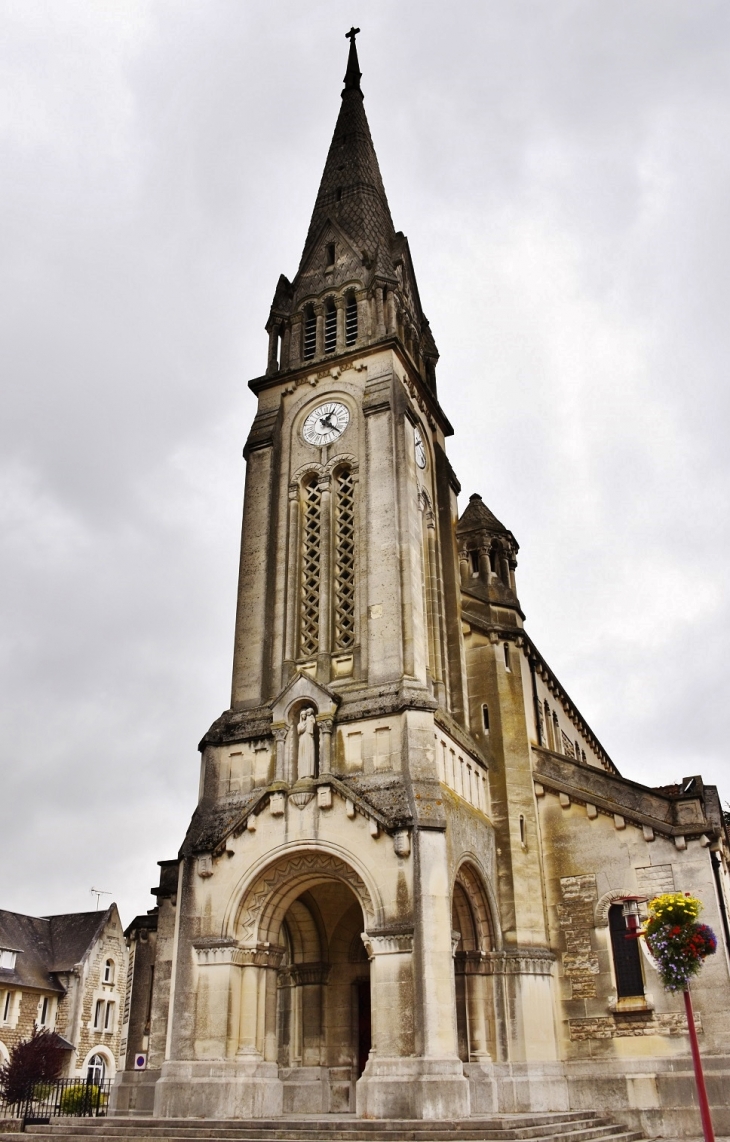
{"points": [[306, 757]]}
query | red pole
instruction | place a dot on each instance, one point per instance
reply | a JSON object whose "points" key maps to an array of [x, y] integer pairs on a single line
{"points": [[707, 1130]]}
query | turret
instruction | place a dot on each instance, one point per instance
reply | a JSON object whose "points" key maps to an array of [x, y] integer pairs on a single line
{"points": [[487, 562]]}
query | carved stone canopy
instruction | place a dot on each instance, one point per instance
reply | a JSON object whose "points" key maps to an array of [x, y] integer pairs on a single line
{"points": [[303, 688]]}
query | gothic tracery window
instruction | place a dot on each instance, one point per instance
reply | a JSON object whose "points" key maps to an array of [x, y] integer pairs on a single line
{"points": [[337, 539], [310, 567], [344, 567]]}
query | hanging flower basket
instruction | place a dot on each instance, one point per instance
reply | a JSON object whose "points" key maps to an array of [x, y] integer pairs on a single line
{"points": [[677, 942]]}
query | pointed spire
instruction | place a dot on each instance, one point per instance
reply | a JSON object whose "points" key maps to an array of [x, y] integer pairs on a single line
{"points": [[478, 517], [353, 75], [351, 192]]}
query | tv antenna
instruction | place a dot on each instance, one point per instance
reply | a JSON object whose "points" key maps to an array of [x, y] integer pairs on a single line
{"points": [[98, 893]]}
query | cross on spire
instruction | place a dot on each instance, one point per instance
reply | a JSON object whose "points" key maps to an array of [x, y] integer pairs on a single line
{"points": [[353, 73]]}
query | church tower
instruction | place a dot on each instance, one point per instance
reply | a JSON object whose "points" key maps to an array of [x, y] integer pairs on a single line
{"points": [[404, 887], [337, 941]]}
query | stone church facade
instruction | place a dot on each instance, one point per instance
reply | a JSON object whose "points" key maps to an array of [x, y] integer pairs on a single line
{"points": [[402, 890]]}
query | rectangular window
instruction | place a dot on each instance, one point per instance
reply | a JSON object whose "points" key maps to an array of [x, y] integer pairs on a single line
{"points": [[7, 999], [43, 1015], [109, 1018], [99, 1015]]}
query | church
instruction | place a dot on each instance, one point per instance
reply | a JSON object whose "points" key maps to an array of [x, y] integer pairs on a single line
{"points": [[404, 890]]}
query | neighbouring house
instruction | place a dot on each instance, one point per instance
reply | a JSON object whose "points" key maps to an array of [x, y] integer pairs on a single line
{"points": [[67, 974]]}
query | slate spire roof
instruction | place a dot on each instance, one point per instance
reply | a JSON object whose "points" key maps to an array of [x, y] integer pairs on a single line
{"points": [[351, 192], [478, 517]]}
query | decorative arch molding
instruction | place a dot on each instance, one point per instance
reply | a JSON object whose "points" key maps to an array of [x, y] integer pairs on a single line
{"points": [[107, 1056], [342, 459], [473, 879], [260, 900], [603, 905], [311, 468]]}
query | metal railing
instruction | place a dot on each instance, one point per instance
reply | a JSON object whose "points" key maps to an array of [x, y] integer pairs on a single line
{"points": [[73, 1098]]}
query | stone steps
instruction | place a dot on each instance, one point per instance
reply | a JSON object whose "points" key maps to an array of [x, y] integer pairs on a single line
{"points": [[578, 1126]]}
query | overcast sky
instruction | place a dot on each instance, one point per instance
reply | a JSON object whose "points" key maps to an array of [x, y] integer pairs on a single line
{"points": [[561, 169]]}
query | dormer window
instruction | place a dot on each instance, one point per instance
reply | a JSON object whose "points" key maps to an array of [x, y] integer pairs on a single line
{"points": [[351, 320], [330, 255], [310, 333], [330, 327], [7, 958]]}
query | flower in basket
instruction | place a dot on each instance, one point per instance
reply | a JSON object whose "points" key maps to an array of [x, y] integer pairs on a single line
{"points": [[675, 938]]}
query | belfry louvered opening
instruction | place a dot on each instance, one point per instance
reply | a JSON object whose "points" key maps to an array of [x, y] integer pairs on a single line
{"points": [[344, 565], [310, 334], [351, 320], [310, 567], [330, 327]]}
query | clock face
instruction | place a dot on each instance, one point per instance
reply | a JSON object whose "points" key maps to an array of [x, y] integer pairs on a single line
{"points": [[419, 448], [326, 423]]}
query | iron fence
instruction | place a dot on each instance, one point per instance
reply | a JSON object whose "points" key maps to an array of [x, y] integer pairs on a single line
{"points": [[74, 1098]]}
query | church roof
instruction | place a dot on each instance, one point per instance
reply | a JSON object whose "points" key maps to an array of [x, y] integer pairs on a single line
{"points": [[478, 517], [351, 192]]}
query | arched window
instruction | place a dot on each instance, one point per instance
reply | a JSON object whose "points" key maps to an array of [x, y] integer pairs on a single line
{"points": [[310, 568], [96, 1070], [330, 327], [556, 734], [626, 955], [109, 971], [474, 562], [351, 320], [310, 333], [344, 568]]}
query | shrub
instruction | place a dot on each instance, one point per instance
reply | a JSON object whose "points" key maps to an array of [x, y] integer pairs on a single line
{"points": [[35, 1060], [81, 1097]]}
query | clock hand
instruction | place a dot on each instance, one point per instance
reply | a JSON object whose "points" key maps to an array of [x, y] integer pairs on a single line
{"points": [[327, 420]]}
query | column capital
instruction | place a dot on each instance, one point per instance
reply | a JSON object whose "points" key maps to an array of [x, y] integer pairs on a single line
{"points": [[387, 943]]}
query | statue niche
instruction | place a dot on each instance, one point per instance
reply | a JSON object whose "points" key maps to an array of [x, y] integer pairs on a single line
{"points": [[304, 738]]}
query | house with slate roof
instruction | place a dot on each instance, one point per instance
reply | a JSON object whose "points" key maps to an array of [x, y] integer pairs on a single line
{"points": [[66, 974]]}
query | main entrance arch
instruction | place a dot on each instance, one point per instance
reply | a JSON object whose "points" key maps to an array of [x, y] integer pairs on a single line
{"points": [[305, 988]]}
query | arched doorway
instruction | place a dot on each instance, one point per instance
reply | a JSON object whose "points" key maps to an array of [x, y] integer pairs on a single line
{"points": [[473, 929], [323, 998], [309, 1011]]}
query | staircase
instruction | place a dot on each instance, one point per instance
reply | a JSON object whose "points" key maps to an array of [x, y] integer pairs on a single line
{"points": [[576, 1126]]}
